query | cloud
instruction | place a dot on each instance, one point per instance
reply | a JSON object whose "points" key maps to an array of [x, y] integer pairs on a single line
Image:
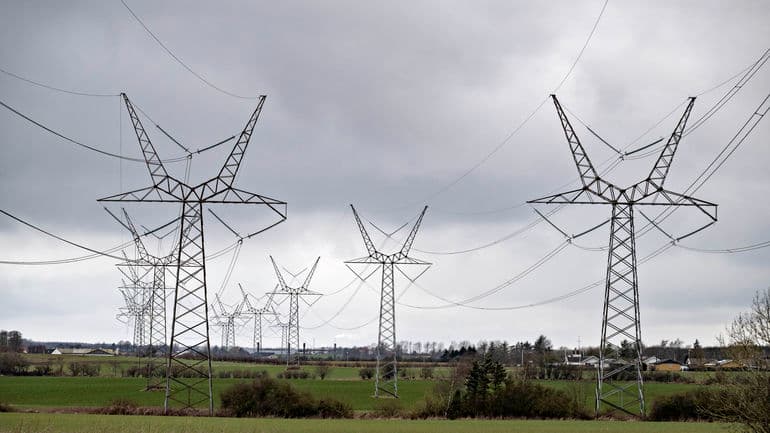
{"points": [[385, 106]]}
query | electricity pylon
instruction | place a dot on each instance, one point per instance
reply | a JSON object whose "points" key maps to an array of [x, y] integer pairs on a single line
{"points": [[285, 345], [294, 294], [251, 308], [156, 304], [226, 315], [135, 309], [188, 370], [620, 320], [386, 379]]}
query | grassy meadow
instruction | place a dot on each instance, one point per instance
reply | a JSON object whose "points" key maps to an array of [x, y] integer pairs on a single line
{"points": [[61, 423]]}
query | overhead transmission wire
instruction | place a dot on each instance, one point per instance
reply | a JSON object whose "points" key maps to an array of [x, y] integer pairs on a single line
{"points": [[523, 123], [58, 89], [95, 253], [47, 233], [614, 162], [732, 145], [757, 116], [180, 61], [104, 152]]}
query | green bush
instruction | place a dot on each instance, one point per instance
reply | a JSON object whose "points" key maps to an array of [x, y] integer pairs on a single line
{"points": [[266, 396], [12, 363], [4, 407], [366, 373], [686, 406], [388, 408], [294, 374], [121, 406]]}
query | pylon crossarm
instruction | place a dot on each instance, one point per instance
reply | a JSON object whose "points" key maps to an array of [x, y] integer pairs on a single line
{"points": [[583, 163], [412, 234], [669, 198], [660, 170], [281, 281], [365, 235], [306, 284], [160, 177], [575, 196], [239, 196], [150, 194], [226, 176]]}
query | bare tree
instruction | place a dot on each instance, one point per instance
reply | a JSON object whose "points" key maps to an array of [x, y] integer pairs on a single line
{"points": [[747, 401]]}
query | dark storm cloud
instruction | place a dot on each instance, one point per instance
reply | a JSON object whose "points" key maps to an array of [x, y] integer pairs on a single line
{"points": [[384, 105]]}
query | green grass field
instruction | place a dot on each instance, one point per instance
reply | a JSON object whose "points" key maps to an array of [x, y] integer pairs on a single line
{"points": [[67, 423], [40, 392]]}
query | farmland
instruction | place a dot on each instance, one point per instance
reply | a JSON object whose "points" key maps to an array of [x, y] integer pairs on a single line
{"points": [[59, 423]]}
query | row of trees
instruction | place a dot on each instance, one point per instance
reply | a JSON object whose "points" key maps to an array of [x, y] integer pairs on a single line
{"points": [[10, 341]]}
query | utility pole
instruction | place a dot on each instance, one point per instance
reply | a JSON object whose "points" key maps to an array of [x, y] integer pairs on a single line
{"points": [[620, 320], [386, 379], [188, 369], [294, 295]]}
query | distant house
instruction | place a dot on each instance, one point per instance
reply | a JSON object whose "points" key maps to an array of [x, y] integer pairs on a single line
{"points": [[591, 361], [730, 364], [83, 352], [667, 365], [574, 359]]}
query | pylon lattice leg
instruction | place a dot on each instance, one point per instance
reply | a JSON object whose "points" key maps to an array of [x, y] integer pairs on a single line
{"points": [[188, 375], [293, 331], [157, 330], [257, 338], [619, 376], [386, 380]]}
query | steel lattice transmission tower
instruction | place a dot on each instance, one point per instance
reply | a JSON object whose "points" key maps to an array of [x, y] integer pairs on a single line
{"points": [[188, 379], [386, 379], [136, 307], [226, 316], [294, 295], [156, 303], [250, 308], [620, 320]]}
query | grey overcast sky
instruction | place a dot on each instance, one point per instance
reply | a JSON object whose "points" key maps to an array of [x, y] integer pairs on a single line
{"points": [[386, 105]]}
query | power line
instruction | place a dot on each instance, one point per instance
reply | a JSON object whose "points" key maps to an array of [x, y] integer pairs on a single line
{"points": [[104, 152], [617, 160], [58, 89], [75, 244], [178, 60], [521, 125]]}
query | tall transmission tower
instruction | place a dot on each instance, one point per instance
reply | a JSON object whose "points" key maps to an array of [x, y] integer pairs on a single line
{"points": [[188, 372], [156, 303], [620, 320], [284, 327], [294, 295], [386, 379], [227, 315], [250, 308], [135, 310]]}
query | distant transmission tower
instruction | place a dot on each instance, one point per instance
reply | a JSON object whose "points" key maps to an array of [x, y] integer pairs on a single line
{"points": [[250, 308], [136, 307], [285, 344], [226, 316], [156, 304], [188, 372], [294, 294], [620, 320], [386, 379]]}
